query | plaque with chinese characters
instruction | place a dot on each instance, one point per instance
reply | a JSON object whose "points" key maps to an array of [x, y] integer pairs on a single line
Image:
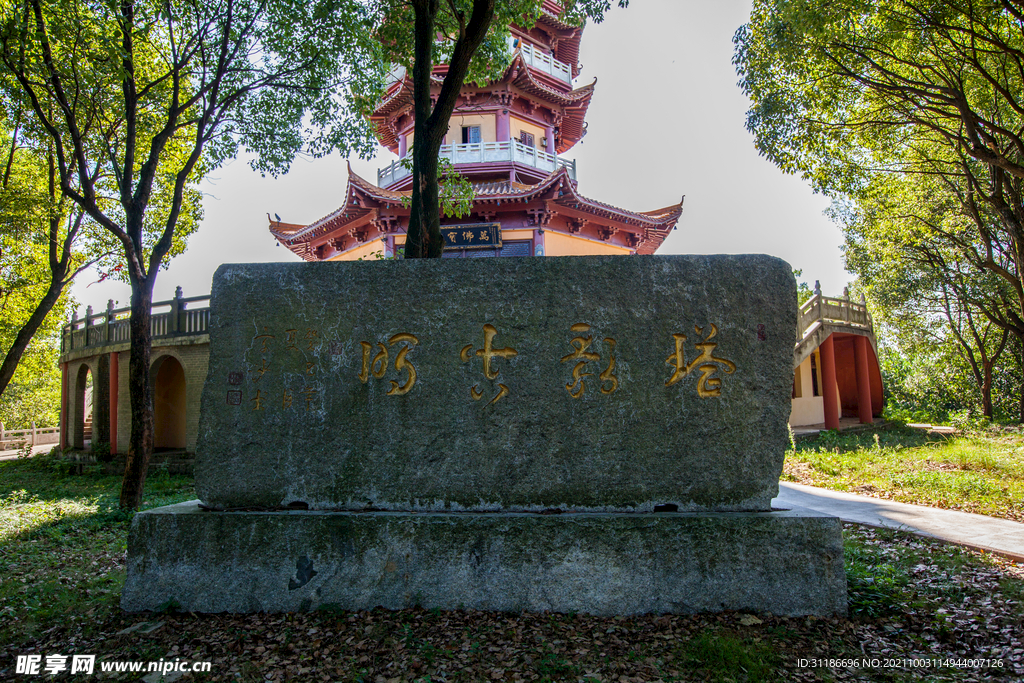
{"points": [[475, 236], [577, 383]]}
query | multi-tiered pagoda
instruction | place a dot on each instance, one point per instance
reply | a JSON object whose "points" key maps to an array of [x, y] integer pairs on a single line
{"points": [[506, 138]]}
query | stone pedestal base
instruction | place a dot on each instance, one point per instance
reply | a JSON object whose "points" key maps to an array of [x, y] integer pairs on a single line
{"points": [[784, 562]]}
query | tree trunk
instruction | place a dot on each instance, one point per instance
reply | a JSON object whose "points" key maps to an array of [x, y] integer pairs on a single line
{"points": [[424, 213], [423, 239], [140, 443], [986, 390], [1020, 357]]}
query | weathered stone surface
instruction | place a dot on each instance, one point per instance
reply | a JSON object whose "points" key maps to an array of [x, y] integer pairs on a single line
{"points": [[787, 563], [296, 407]]}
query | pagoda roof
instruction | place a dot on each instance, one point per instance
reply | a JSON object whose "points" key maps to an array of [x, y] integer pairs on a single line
{"points": [[363, 200], [521, 75], [551, 20], [574, 102]]}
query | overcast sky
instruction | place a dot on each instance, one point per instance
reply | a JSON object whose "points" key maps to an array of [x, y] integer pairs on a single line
{"points": [[666, 120]]}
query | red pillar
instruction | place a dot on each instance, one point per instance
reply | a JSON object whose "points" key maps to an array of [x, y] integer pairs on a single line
{"points": [[829, 388], [63, 406], [503, 126], [113, 402], [860, 349]]}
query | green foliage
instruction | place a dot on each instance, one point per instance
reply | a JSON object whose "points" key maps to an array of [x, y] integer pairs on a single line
{"points": [[25, 276], [803, 290], [907, 113], [137, 113], [455, 191], [395, 18], [925, 385], [34, 391]]}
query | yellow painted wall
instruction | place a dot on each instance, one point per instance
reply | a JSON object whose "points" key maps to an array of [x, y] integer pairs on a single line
{"points": [[487, 123], [517, 125], [364, 252], [507, 235], [557, 244]]}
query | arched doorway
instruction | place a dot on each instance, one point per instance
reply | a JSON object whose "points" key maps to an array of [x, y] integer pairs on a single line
{"points": [[168, 404], [83, 400]]}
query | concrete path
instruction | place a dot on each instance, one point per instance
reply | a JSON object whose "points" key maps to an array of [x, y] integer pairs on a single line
{"points": [[36, 450], [991, 534]]}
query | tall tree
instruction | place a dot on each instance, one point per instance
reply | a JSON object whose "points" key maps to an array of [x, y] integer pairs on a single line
{"points": [[470, 37], [40, 247], [854, 94], [906, 238], [130, 92]]}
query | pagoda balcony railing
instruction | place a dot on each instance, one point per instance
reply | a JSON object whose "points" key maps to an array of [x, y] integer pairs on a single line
{"points": [[111, 326], [533, 57], [482, 153], [542, 62]]}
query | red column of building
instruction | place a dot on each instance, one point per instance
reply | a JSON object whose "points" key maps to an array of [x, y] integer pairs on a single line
{"points": [[63, 406], [860, 348], [829, 388], [113, 402], [503, 126]]}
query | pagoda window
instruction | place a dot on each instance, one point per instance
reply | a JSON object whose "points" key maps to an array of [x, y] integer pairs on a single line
{"points": [[470, 135], [525, 132]]}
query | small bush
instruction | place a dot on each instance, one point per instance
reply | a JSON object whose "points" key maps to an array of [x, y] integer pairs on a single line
{"points": [[728, 658], [102, 452]]}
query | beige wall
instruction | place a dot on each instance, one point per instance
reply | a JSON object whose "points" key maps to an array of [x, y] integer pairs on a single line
{"points": [[807, 408], [487, 123], [517, 125], [194, 357], [807, 411], [169, 405], [557, 244], [77, 410]]}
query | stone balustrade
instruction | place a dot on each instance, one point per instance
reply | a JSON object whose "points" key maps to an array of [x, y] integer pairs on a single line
{"points": [[111, 326]]}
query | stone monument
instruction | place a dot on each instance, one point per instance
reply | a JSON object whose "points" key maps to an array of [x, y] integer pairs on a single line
{"points": [[591, 434]]}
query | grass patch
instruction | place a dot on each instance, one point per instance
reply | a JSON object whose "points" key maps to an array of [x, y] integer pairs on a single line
{"points": [[62, 545], [980, 472], [726, 657]]}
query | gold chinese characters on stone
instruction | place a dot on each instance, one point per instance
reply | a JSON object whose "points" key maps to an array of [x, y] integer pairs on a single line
{"points": [[378, 365], [488, 353], [708, 385], [608, 381]]}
